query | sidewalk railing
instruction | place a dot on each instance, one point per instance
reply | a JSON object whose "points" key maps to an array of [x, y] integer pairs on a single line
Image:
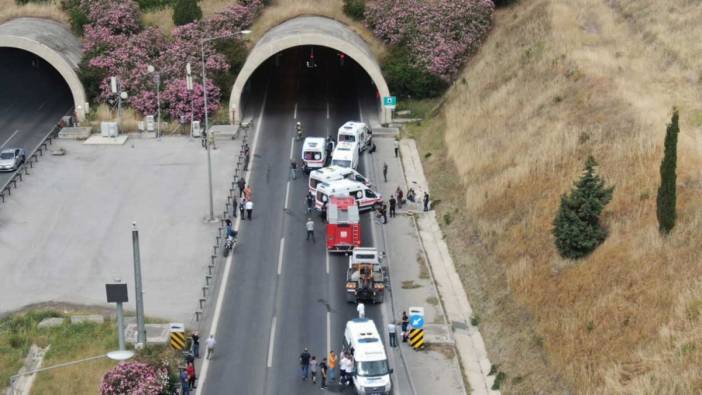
{"points": [[38, 151], [240, 167]]}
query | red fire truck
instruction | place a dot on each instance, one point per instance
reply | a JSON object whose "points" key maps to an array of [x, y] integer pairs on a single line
{"points": [[343, 224]]}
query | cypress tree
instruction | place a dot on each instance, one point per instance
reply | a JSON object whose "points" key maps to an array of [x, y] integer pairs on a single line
{"points": [[666, 199], [186, 11], [577, 227]]}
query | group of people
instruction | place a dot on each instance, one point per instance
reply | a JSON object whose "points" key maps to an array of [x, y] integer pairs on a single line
{"points": [[310, 366], [188, 377], [245, 202], [396, 201]]}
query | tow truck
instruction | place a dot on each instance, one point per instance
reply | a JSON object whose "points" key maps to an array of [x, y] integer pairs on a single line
{"points": [[365, 277]]}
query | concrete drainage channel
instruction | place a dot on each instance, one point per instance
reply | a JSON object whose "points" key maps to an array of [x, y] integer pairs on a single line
{"points": [[219, 237], [23, 170]]}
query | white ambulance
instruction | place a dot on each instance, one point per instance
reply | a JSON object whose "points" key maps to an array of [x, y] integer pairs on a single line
{"points": [[371, 372], [356, 132], [345, 154], [365, 197], [314, 155], [334, 173]]}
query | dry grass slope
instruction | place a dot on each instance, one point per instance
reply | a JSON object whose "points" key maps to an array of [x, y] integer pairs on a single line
{"points": [[557, 81], [49, 10]]}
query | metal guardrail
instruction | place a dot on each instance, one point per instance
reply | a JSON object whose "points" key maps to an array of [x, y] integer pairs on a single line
{"points": [[219, 237], [38, 151]]}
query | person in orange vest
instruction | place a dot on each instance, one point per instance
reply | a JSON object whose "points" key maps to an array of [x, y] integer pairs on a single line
{"points": [[332, 366]]}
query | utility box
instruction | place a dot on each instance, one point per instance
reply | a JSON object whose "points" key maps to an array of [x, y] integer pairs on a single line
{"points": [[109, 129], [150, 123], [196, 131]]}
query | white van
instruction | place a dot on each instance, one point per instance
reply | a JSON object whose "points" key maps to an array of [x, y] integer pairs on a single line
{"points": [[345, 155], [356, 132], [365, 197], [371, 372], [334, 173], [314, 155]]}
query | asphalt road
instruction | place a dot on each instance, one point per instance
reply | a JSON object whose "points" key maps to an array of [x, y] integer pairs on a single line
{"points": [[283, 292], [33, 97]]}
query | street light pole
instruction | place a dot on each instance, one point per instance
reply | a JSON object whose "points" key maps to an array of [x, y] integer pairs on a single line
{"points": [[204, 93], [141, 330], [157, 81]]}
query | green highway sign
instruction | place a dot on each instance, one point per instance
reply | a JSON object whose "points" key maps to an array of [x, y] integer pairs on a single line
{"points": [[389, 101]]}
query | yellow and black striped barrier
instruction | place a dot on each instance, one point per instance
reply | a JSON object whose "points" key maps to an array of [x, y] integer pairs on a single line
{"points": [[177, 340], [416, 338]]}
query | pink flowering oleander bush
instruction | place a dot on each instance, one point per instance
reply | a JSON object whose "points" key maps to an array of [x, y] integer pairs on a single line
{"points": [[135, 378], [440, 34], [176, 101], [120, 46]]}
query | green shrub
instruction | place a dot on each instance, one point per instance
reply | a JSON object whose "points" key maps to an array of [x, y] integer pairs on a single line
{"points": [[235, 52], [577, 229], [91, 78], [355, 9], [667, 198], [407, 80], [147, 5], [186, 11], [76, 14]]}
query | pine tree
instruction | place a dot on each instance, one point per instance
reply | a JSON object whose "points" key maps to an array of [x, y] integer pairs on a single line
{"points": [[577, 226], [666, 199], [186, 11]]}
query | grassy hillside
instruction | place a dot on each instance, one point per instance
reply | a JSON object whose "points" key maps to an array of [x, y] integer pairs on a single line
{"points": [[556, 81]]}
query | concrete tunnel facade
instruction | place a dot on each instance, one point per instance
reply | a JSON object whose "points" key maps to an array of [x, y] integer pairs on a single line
{"points": [[55, 44], [303, 31]]}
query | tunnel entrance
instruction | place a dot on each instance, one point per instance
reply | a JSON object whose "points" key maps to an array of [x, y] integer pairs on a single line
{"points": [[296, 41]]}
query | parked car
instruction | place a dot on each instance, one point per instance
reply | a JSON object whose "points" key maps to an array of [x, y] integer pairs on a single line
{"points": [[11, 159]]}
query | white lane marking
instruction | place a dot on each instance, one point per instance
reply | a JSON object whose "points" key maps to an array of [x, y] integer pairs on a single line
{"points": [[328, 333], [271, 344], [292, 147], [295, 112], [228, 262], [8, 139], [287, 194], [327, 262], [327, 110], [280, 256]]}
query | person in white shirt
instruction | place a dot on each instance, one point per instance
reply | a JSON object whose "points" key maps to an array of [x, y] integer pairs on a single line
{"points": [[210, 346], [309, 225], [392, 333], [249, 209], [361, 308]]}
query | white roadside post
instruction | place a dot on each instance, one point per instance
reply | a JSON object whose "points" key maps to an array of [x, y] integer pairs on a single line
{"points": [[157, 81]]}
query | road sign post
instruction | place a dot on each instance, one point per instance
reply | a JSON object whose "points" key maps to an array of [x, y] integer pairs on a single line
{"points": [[416, 321], [390, 102]]}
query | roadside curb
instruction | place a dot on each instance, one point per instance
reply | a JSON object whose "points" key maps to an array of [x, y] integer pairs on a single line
{"points": [[454, 300]]}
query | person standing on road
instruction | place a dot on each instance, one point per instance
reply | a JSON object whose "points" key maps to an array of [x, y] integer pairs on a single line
{"points": [[191, 375], [400, 195], [305, 364], [385, 171], [393, 203], [313, 369], [405, 324], [361, 308], [323, 369], [310, 202], [426, 201], [397, 147], [249, 209], [384, 212], [248, 192], [242, 207], [210, 346], [392, 334], [195, 340], [332, 367], [184, 385], [310, 230], [234, 204], [241, 184], [293, 170], [342, 368]]}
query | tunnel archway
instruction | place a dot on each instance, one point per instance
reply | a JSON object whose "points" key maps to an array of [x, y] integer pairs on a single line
{"points": [[55, 44], [309, 31]]}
